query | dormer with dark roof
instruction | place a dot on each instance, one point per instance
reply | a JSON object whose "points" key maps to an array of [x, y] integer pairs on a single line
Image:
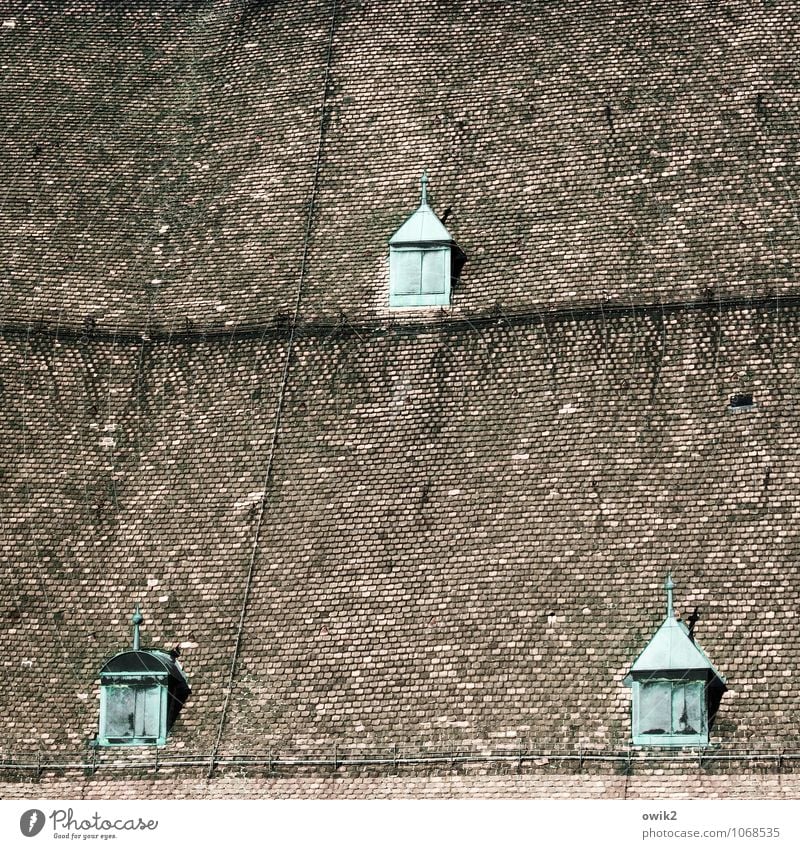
{"points": [[141, 694]]}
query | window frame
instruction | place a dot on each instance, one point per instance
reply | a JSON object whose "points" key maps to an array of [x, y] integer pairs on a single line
{"points": [[697, 681], [419, 298], [137, 682]]}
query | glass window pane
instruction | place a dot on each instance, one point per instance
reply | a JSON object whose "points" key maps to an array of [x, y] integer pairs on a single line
{"points": [[148, 711], [686, 708], [655, 708], [433, 272], [406, 272], [120, 710]]}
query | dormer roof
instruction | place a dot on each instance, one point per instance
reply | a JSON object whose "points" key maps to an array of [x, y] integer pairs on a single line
{"points": [[145, 662], [673, 647], [423, 225]]}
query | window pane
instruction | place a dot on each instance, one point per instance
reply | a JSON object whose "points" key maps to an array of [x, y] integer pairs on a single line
{"points": [[406, 272], [148, 711], [120, 709], [687, 702], [433, 272], [655, 708]]}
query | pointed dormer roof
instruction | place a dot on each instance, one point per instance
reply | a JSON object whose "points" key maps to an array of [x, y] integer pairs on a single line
{"points": [[672, 647], [423, 225]]}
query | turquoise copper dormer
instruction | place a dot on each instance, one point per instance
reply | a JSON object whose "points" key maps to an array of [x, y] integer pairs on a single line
{"points": [[675, 687], [421, 259], [141, 694]]}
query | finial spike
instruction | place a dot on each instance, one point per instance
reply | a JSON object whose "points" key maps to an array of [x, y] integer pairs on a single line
{"points": [[669, 586], [136, 620], [424, 182]]}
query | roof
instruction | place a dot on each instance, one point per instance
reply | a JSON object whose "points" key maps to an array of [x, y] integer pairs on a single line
{"points": [[145, 660], [158, 165], [452, 511], [366, 528], [672, 647], [422, 226]]}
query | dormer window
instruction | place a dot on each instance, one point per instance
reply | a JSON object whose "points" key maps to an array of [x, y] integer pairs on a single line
{"points": [[676, 689], [141, 693], [740, 402], [421, 259]]}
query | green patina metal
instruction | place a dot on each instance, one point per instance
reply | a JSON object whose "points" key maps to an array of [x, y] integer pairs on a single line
{"points": [[136, 620], [141, 693], [421, 259], [132, 712], [673, 684]]}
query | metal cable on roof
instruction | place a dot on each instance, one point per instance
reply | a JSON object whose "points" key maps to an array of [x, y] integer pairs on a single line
{"points": [[534, 314], [283, 385], [447, 759]]}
